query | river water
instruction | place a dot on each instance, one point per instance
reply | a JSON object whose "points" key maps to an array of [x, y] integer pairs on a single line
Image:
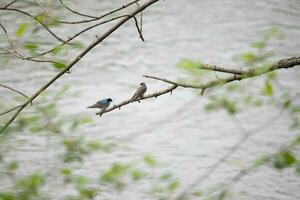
{"points": [[176, 129]]}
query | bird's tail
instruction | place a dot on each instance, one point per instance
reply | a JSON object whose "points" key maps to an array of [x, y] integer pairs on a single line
{"points": [[92, 106]]}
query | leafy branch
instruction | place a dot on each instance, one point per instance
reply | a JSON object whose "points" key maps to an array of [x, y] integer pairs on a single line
{"points": [[237, 75]]}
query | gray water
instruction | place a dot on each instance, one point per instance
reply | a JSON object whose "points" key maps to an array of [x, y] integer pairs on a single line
{"points": [[176, 129]]}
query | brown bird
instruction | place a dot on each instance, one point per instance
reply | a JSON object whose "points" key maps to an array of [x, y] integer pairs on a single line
{"points": [[139, 92]]}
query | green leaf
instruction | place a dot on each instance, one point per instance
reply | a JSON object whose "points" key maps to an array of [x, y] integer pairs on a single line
{"points": [[248, 57], [36, 129], [258, 45], [77, 45], [173, 185], [30, 46], [13, 166], [114, 172], [7, 196], [166, 176], [136, 175], [81, 181], [59, 65], [88, 193], [289, 158], [149, 160], [270, 33], [268, 89], [296, 140], [57, 49], [284, 160], [262, 160], [21, 29]]}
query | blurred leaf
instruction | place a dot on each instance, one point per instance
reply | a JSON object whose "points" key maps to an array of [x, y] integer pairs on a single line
{"points": [[232, 87], [289, 158], [81, 182], [270, 33], [30, 184], [287, 103], [30, 46], [114, 172], [248, 57], [268, 89], [65, 171], [7, 196], [13, 166], [149, 160], [136, 175], [173, 185], [77, 45], [57, 49], [284, 160], [85, 120], [36, 129], [59, 65], [258, 45], [21, 29], [88, 193], [296, 140], [296, 109], [272, 75], [166, 176], [261, 161]]}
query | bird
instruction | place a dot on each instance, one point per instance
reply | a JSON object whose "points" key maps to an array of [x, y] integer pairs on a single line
{"points": [[139, 92], [102, 104]]}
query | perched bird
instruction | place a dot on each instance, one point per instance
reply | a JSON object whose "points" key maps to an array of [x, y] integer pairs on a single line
{"points": [[102, 104], [139, 92]]}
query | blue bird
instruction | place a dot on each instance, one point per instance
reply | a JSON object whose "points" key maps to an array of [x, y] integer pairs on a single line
{"points": [[139, 92], [102, 104]]}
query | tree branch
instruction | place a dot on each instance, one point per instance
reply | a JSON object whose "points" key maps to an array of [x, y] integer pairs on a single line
{"points": [[78, 58], [282, 64], [128, 101]]}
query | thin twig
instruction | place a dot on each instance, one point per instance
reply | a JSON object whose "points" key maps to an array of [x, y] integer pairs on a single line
{"points": [[95, 18], [12, 109], [14, 90], [76, 12], [138, 29], [11, 3]]}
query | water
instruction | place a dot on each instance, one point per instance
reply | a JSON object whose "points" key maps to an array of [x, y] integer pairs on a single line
{"points": [[176, 129]]}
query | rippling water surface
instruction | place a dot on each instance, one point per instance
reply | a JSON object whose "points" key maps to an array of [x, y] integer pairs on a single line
{"points": [[176, 129]]}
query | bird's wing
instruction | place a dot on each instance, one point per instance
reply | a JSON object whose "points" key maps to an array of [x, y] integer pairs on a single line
{"points": [[139, 92]]}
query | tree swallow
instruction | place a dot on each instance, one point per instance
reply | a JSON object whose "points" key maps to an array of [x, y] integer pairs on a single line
{"points": [[102, 104], [139, 92]]}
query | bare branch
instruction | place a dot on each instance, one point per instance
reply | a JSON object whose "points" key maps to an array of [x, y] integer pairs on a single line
{"points": [[78, 58], [138, 29], [153, 95]]}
